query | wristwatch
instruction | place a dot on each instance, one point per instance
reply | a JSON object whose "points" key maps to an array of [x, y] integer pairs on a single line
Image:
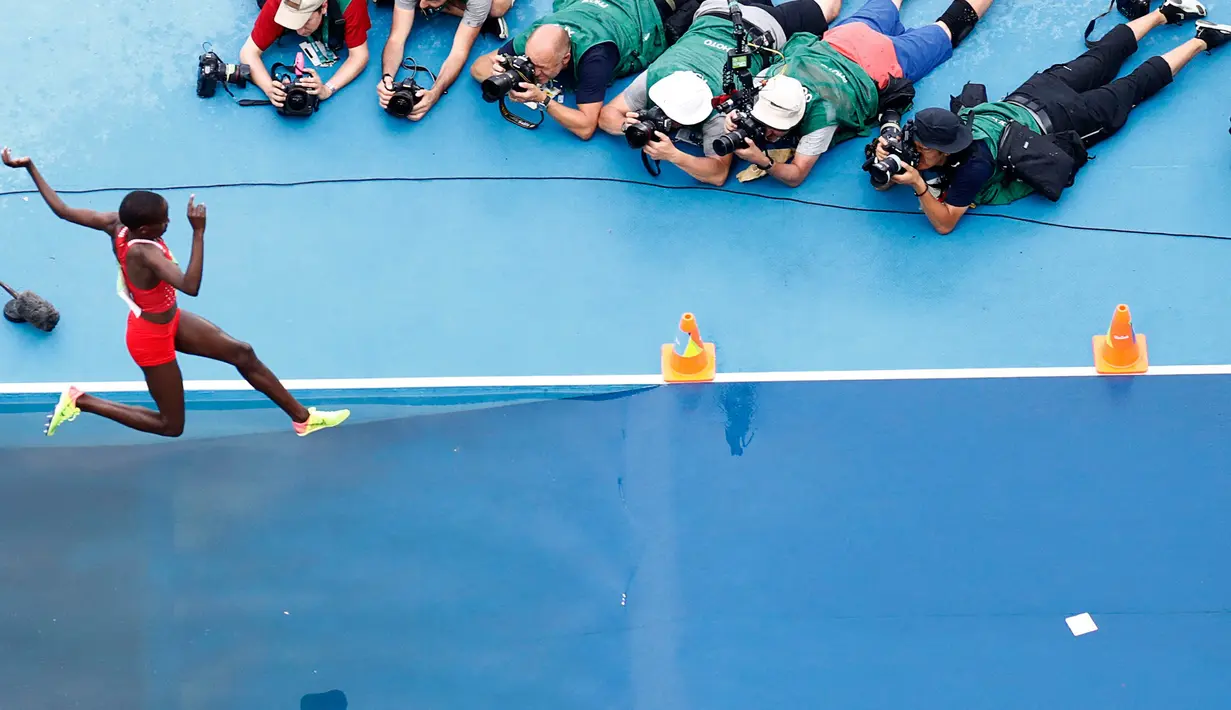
{"points": [[771, 165]]}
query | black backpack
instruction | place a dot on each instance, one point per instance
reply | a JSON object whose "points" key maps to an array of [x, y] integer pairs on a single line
{"points": [[1047, 163]]}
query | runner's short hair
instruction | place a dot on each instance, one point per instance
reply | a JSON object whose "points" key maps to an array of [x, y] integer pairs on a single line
{"points": [[142, 209]]}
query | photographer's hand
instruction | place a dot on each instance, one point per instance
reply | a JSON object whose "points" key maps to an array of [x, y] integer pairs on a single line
{"points": [[752, 153], [662, 148], [276, 93], [529, 93], [910, 176], [383, 91], [881, 153], [312, 82], [427, 99]]}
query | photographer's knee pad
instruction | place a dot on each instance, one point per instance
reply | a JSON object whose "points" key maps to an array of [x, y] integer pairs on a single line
{"points": [[960, 18]]}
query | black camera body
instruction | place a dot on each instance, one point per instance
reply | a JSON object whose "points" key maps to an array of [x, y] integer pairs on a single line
{"points": [[745, 127], [298, 101], [649, 122], [405, 96], [899, 143], [518, 69], [211, 70]]}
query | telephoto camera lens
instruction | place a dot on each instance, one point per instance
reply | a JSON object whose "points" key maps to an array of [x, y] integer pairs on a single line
{"points": [[520, 69], [728, 143], [639, 134], [498, 85], [297, 100], [403, 100], [238, 74], [649, 122], [881, 171], [745, 127]]}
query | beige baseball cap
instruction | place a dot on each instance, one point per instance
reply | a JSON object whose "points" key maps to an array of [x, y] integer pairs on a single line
{"points": [[294, 14], [782, 102]]}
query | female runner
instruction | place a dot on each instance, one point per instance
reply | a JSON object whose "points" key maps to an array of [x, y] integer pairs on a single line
{"points": [[157, 327]]}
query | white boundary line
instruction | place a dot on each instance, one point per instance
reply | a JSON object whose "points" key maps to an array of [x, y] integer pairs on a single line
{"points": [[567, 381]]}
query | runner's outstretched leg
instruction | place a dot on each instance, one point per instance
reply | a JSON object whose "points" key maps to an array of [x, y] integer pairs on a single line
{"points": [[166, 386], [197, 336]]}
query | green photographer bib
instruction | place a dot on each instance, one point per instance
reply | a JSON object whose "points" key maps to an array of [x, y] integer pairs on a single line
{"points": [[843, 94], [634, 26], [702, 50], [988, 123], [332, 32]]}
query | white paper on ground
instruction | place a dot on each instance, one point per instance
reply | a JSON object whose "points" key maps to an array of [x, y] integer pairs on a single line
{"points": [[1081, 624]]}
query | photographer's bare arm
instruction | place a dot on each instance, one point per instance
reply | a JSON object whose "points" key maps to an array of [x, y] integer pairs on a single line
{"points": [[474, 16], [305, 19]]}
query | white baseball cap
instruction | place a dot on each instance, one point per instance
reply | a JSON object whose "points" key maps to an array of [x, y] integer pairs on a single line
{"points": [[294, 14], [781, 103], [684, 97]]}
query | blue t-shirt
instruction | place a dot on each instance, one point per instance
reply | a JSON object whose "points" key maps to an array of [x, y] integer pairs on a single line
{"points": [[595, 71], [968, 178]]}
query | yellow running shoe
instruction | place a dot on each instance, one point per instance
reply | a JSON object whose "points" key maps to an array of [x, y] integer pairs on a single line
{"points": [[320, 420], [66, 411]]}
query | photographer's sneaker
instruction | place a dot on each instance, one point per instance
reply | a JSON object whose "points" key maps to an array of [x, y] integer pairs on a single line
{"points": [[1214, 35], [1177, 11], [497, 27]]}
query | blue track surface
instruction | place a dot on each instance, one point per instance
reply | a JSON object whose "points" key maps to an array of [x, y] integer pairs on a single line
{"points": [[873, 545], [488, 277], [909, 544]]}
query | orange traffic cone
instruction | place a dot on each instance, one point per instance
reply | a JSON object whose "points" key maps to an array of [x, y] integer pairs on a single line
{"points": [[689, 359], [1120, 351]]}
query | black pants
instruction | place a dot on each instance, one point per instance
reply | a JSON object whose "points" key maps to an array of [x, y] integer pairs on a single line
{"points": [[1085, 96], [793, 16], [798, 16]]}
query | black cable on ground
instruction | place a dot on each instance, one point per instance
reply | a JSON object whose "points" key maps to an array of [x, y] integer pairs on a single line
{"points": [[625, 181]]}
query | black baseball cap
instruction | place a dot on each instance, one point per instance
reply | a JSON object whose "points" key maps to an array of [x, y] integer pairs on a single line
{"points": [[942, 130]]}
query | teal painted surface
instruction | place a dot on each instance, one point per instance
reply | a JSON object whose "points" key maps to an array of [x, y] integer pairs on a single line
{"points": [[565, 277]]}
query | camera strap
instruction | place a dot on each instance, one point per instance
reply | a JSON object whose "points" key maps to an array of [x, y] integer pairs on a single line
{"points": [[518, 120], [411, 65], [653, 167], [1131, 9], [243, 102], [552, 90]]}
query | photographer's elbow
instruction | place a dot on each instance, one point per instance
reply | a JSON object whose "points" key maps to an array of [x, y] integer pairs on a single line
{"points": [[587, 133], [943, 229], [250, 54], [611, 121]]}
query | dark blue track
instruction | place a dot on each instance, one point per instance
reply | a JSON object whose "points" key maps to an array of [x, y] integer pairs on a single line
{"points": [[848, 545]]}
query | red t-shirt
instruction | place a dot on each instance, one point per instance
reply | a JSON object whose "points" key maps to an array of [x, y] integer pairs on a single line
{"points": [[265, 32], [871, 50]]}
